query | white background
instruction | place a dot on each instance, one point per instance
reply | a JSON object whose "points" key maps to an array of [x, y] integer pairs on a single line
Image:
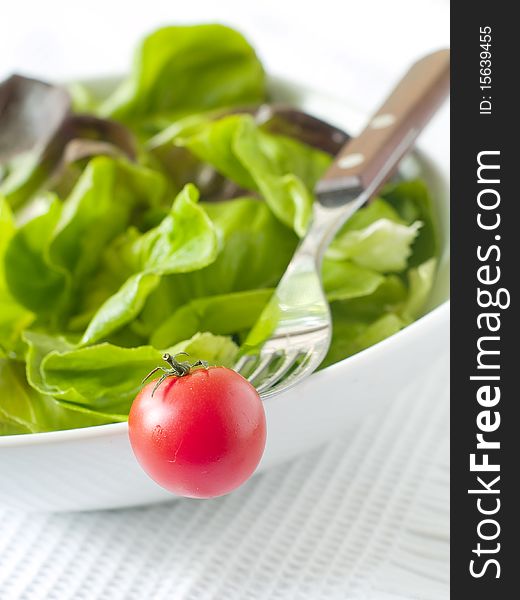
{"points": [[357, 48], [369, 39]]}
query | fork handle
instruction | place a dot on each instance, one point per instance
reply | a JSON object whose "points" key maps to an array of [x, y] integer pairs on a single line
{"points": [[365, 162]]}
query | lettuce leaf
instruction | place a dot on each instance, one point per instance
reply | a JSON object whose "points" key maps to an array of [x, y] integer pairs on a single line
{"points": [[376, 238], [343, 280], [420, 283], [14, 318], [49, 258], [254, 249], [351, 336], [412, 201], [187, 69], [214, 349], [104, 379], [283, 170], [383, 246], [32, 278], [25, 410], [122, 307], [223, 315], [184, 241], [363, 321], [42, 142], [109, 195]]}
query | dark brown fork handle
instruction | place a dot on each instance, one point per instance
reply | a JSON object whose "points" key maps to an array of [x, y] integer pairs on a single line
{"points": [[362, 162]]}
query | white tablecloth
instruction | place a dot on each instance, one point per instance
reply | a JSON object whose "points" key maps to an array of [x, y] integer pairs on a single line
{"points": [[365, 517]]}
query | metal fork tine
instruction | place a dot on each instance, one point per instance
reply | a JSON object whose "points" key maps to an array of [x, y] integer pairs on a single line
{"points": [[243, 361], [293, 377], [263, 365], [288, 361]]}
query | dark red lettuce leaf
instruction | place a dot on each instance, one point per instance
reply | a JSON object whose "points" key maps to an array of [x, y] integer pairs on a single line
{"points": [[40, 136]]}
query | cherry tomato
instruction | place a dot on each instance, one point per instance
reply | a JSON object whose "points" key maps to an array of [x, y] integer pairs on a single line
{"points": [[200, 435]]}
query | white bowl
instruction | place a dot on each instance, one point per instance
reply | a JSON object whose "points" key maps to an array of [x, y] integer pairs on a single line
{"points": [[94, 468]]}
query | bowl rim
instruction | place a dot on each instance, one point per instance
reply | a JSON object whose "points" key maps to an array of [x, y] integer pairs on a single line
{"points": [[438, 313]]}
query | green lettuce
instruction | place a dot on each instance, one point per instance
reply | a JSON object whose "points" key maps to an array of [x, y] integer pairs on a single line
{"points": [[49, 258], [32, 278], [376, 238], [25, 410], [254, 249], [110, 194], [214, 349], [185, 240], [180, 70], [365, 320], [103, 378], [14, 318], [227, 314], [420, 283], [343, 280], [283, 170], [412, 201]]}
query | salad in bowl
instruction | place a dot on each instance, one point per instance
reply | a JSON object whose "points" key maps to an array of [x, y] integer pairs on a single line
{"points": [[159, 217]]}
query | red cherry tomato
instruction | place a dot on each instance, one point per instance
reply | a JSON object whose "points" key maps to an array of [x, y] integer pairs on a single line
{"points": [[201, 435]]}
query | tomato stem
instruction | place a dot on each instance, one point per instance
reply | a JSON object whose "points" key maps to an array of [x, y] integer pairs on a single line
{"points": [[177, 368]]}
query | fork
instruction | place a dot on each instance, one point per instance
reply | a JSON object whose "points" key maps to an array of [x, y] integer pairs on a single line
{"points": [[292, 335]]}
